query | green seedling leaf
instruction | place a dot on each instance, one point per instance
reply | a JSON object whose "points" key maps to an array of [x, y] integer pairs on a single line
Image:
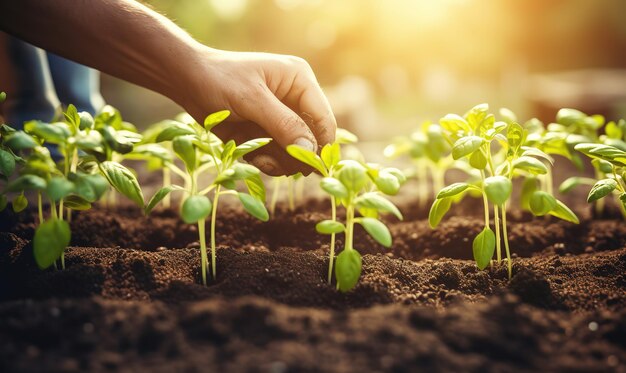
{"points": [[601, 189], [373, 200], [77, 203], [334, 187], [498, 189], [329, 227], [123, 181], [348, 269], [250, 146], [568, 117], [26, 182], [20, 140], [238, 171], [19, 203], [483, 247], [307, 157], [541, 203], [228, 150], [86, 121], [454, 123], [195, 208], [534, 152], [478, 160], [59, 188], [397, 173], [254, 206], [158, 197], [343, 136], [331, 155], [185, 150], [214, 119], [515, 136], [529, 186], [452, 190], [352, 175], [72, 117], [387, 183], [572, 182], [115, 141], [530, 164], [377, 230], [255, 186], [466, 145], [54, 133], [508, 115], [561, 211], [438, 210], [173, 130], [51, 238], [90, 187], [91, 141], [7, 163], [3, 96]]}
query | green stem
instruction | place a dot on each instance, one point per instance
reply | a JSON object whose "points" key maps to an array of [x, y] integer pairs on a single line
{"points": [[167, 181], [40, 208], [216, 197], [349, 227], [333, 212], [203, 254], [485, 201], [549, 182], [496, 222], [290, 194], [422, 184], [276, 189], [506, 240]]}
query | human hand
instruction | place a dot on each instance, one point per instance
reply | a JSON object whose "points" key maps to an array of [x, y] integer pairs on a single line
{"points": [[268, 95]]}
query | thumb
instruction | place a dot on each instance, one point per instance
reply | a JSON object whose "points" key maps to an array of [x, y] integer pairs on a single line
{"points": [[281, 123]]}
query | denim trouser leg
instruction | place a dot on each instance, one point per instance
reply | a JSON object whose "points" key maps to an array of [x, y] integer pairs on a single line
{"points": [[27, 82], [76, 84]]}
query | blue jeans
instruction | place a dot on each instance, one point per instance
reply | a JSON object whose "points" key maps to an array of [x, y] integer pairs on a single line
{"points": [[39, 82]]}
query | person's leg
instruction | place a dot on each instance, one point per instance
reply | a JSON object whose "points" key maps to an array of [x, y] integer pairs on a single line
{"points": [[25, 77], [76, 84]]}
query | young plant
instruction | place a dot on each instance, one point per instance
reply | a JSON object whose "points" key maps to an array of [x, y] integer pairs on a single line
{"points": [[430, 155], [472, 137], [358, 188], [611, 162], [294, 184], [200, 150], [62, 185]]}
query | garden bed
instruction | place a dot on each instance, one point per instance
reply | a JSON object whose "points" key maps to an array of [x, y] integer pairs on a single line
{"points": [[131, 298]]}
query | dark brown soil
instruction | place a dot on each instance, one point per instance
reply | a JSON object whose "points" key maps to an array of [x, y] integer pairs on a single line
{"points": [[130, 298]]}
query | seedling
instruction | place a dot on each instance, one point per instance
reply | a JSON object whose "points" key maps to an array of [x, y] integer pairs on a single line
{"points": [[200, 150], [611, 161], [471, 137], [69, 183], [295, 189], [357, 188], [430, 154]]}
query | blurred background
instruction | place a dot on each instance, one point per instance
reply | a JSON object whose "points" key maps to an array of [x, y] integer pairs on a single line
{"points": [[388, 65]]}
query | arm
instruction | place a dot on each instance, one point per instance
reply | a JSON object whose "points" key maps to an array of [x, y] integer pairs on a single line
{"points": [[266, 93]]}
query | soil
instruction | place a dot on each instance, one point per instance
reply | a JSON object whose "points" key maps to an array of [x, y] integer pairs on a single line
{"points": [[130, 297]]}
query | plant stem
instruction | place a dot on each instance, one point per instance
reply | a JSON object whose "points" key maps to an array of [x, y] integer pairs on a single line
{"points": [[290, 194], [203, 254], [349, 227], [276, 189], [485, 201], [506, 240], [333, 212], [40, 208], [422, 180], [496, 222], [216, 197], [549, 182], [167, 181]]}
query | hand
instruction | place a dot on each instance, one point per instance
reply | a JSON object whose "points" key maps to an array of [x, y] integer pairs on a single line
{"points": [[269, 95]]}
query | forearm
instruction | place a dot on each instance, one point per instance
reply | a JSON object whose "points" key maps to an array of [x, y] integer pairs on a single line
{"points": [[120, 37]]}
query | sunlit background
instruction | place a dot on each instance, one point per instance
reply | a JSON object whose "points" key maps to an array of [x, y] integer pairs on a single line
{"points": [[387, 65]]}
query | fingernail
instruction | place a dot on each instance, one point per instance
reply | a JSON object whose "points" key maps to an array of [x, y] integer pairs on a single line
{"points": [[305, 143], [265, 163]]}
